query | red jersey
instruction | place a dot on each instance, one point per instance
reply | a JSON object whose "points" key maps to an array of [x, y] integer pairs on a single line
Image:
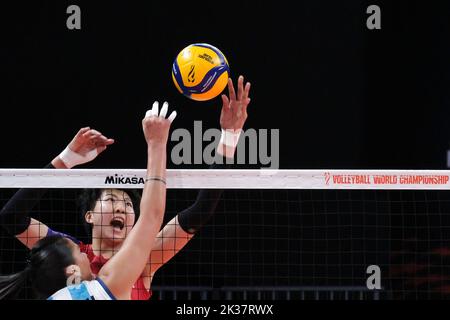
{"points": [[138, 292]]}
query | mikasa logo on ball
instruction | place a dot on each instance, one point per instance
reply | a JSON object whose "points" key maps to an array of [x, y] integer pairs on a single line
{"points": [[206, 57]]}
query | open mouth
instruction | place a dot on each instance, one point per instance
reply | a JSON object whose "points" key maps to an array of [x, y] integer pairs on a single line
{"points": [[117, 223]]}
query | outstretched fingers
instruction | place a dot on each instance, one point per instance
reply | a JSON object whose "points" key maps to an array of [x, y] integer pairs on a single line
{"points": [[162, 114], [246, 91], [240, 88], [153, 111], [164, 109], [225, 102], [172, 116], [231, 91]]}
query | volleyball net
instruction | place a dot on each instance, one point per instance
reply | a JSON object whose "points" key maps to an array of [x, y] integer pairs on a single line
{"points": [[276, 234]]}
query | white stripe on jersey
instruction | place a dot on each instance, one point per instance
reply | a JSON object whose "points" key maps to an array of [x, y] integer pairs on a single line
{"points": [[87, 290]]}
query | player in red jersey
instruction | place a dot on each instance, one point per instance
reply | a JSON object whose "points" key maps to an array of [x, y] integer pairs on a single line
{"points": [[111, 214], [58, 270]]}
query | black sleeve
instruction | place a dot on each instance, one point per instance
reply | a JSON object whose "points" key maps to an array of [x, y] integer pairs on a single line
{"points": [[14, 216], [194, 217]]}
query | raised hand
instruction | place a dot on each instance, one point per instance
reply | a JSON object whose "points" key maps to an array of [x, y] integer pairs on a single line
{"points": [[234, 107], [155, 125], [88, 140], [85, 146]]}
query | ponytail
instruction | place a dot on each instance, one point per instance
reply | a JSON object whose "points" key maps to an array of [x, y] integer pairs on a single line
{"points": [[45, 272], [12, 285]]}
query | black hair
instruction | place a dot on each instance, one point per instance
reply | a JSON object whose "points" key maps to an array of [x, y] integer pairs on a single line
{"points": [[88, 199], [46, 270]]}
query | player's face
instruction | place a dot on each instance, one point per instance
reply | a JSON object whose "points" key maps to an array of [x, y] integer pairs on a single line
{"points": [[113, 215]]}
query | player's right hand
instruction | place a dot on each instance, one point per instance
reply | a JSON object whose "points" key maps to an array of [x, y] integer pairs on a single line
{"points": [[88, 140], [85, 146], [156, 126]]}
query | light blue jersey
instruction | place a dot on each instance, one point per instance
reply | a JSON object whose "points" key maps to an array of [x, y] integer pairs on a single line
{"points": [[86, 290]]}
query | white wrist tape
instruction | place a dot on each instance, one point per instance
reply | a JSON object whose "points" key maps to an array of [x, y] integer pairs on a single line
{"points": [[72, 159], [230, 137]]}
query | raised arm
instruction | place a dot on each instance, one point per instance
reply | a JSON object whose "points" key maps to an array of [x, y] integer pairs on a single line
{"points": [[177, 232], [15, 215], [125, 267]]}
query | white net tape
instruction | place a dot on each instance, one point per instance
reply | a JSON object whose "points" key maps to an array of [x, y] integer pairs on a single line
{"points": [[230, 179]]}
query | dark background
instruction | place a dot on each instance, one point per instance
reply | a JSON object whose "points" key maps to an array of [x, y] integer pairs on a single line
{"points": [[342, 96]]}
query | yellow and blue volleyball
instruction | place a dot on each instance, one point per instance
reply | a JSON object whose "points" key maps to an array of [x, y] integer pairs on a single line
{"points": [[200, 71]]}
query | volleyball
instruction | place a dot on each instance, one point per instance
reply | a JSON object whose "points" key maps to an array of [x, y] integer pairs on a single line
{"points": [[200, 71]]}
